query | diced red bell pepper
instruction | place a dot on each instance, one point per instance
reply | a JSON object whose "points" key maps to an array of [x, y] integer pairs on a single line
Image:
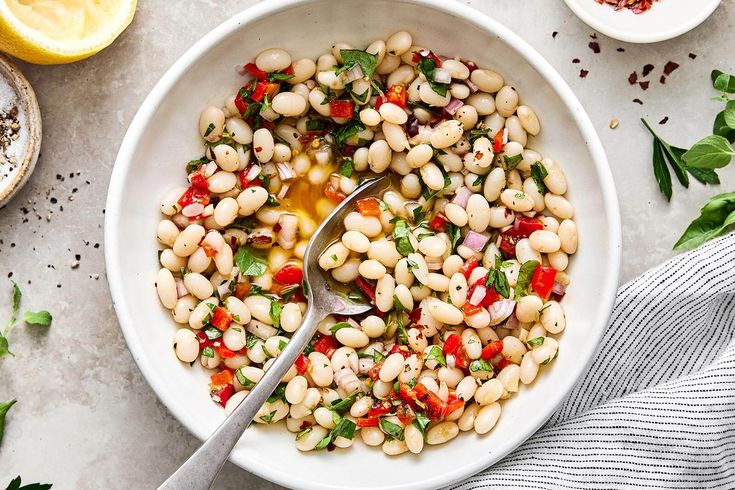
{"points": [[415, 315], [302, 364], [199, 180], [224, 352], [221, 318], [255, 71], [434, 405], [470, 309], [401, 349], [407, 394], [333, 194], [404, 414], [438, 223], [504, 362], [366, 287], [222, 378], [225, 394], [368, 422], [498, 141], [368, 206], [378, 102], [374, 371], [341, 108], [209, 250], [467, 268], [398, 95], [491, 296], [417, 57], [492, 349], [326, 345], [380, 409], [451, 344], [525, 226], [262, 89], [194, 195], [289, 274], [204, 341], [242, 289], [452, 405], [542, 280]]}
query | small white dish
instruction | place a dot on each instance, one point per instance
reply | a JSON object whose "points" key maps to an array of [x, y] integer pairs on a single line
{"points": [[164, 135], [667, 19], [18, 159]]}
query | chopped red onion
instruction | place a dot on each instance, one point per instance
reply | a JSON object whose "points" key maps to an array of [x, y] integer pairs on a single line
{"points": [[453, 106], [451, 361], [471, 65], [461, 196], [224, 288], [209, 168], [478, 295], [193, 209], [500, 310], [473, 88], [285, 172], [252, 173], [442, 76], [475, 241], [284, 190], [512, 322], [412, 126], [353, 74], [180, 288], [559, 289]]}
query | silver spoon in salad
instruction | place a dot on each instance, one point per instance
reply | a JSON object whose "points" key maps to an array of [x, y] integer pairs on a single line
{"points": [[200, 470]]}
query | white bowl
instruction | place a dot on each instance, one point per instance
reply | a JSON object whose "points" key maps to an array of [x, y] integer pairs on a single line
{"points": [[163, 136], [667, 19]]}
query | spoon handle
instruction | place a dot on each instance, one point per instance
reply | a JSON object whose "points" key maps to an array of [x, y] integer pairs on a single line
{"points": [[200, 470]]}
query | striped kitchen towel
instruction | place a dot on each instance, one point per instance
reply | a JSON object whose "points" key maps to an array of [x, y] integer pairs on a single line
{"points": [[657, 407]]}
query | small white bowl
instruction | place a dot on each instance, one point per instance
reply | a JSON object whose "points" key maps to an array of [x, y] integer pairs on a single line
{"points": [[164, 135], [19, 93], [667, 19]]}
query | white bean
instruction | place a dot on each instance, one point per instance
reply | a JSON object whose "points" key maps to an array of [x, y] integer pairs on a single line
{"points": [[272, 59], [486, 418], [544, 241], [188, 240], [166, 288], [263, 145], [568, 236], [186, 345]]}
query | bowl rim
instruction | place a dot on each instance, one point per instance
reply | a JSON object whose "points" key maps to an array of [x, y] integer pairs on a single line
{"points": [[644, 37], [115, 270]]}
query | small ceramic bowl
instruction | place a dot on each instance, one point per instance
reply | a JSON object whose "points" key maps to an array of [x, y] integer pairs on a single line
{"points": [[667, 19], [15, 91]]}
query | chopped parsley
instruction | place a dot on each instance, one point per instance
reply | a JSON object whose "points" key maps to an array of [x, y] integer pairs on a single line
{"points": [[538, 174], [400, 237], [248, 263], [512, 162], [427, 66], [436, 354], [354, 57], [524, 278], [347, 168], [391, 429]]}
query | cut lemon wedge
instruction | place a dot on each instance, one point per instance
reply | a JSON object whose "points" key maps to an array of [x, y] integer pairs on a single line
{"points": [[61, 31]]}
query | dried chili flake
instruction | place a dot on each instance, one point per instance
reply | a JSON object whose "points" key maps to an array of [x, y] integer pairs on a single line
{"points": [[637, 6], [647, 69], [583, 73], [575, 60], [662, 79], [594, 46], [554, 34], [692, 56], [670, 67], [644, 85], [593, 35], [638, 101], [621, 50], [633, 78], [664, 120]]}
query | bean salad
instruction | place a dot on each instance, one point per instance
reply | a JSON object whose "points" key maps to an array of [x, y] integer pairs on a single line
{"points": [[463, 258]]}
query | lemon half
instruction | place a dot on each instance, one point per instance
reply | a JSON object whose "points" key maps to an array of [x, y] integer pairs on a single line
{"points": [[61, 31]]}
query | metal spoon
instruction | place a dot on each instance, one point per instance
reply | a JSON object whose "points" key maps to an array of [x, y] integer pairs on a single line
{"points": [[200, 470]]}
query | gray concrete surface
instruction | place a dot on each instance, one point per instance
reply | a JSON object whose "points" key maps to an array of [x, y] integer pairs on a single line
{"points": [[85, 417]]}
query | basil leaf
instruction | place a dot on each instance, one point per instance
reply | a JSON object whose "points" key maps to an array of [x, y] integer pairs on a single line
{"points": [[4, 346], [348, 130], [480, 365], [314, 125], [347, 168], [209, 129], [673, 156], [455, 234], [723, 81], [339, 326], [342, 404], [345, 428], [421, 422], [716, 217], [279, 393], [397, 305], [356, 296], [501, 280], [249, 264], [303, 433], [267, 418], [42, 318], [391, 429], [401, 333], [704, 175], [246, 382], [251, 341], [418, 214], [377, 356], [275, 313], [535, 342], [729, 114], [436, 354], [525, 273], [661, 171], [15, 485], [208, 352], [427, 66], [512, 162], [400, 237], [4, 407], [476, 134], [212, 332], [711, 152], [277, 77], [538, 174], [352, 57]]}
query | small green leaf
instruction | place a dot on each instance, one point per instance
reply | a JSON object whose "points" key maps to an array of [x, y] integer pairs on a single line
{"points": [[661, 171], [538, 174], [525, 273], [716, 218], [421, 422], [340, 405], [391, 429], [42, 318], [436, 354], [268, 418], [377, 356], [278, 77], [400, 237], [208, 352], [512, 162], [480, 365], [209, 129], [17, 295], [536, 342], [4, 346], [275, 313], [704, 175], [249, 264], [710, 152], [339, 326], [427, 67], [4, 407], [397, 305], [353, 57], [723, 81], [347, 168], [15, 485]]}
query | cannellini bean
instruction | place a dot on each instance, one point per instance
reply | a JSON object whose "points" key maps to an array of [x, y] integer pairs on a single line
{"points": [[184, 306], [260, 309], [394, 447], [489, 392], [371, 269], [559, 206], [225, 212], [528, 119], [200, 315], [513, 349], [516, 200], [529, 369], [552, 317], [186, 345], [544, 241], [483, 103], [310, 438], [379, 156], [487, 80], [352, 337], [524, 251], [486, 418], [528, 307], [356, 241], [288, 104], [494, 184], [395, 136], [458, 289], [414, 438], [398, 43], [509, 377], [372, 436], [167, 232], [568, 236], [198, 285], [251, 200], [370, 117], [392, 367], [188, 240], [393, 114], [467, 420], [446, 134], [547, 351], [432, 246], [456, 214], [384, 290], [272, 59], [444, 312], [506, 101], [427, 95], [558, 260], [166, 288], [419, 155], [320, 369], [478, 213], [303, 69], [334, 256], [296, 390], [373, 326], [442, 432], [211, 123], [385, 252], [403, 295], [234, 337], [263, 145]]}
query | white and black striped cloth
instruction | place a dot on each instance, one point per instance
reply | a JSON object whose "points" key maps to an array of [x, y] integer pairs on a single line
{"points": [[657, 407]]}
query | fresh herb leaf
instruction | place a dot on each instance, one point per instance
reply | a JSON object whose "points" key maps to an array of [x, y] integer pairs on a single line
{"points": [[275, 313], [4, 407], [353, 57], [704, 175], [397, 305], [303, 433], [208, 352], [501, 281], [377, 356], [339, 326], [341, 405], [436, 354], [356, 296], [4, 346], [212, 333], [476, 134], [480, 365], [455, 234], [209, 129], [535, 342], [421, 422], [279, 393], [345, 428], [480, 180], [512, 162], [721, 128], [400, 237], [251, 341], [391, 429], [246, 382], [350, 129], [710, 152], [427, 66], [279, 77], [715, 219], [401, 333], [15, 485], [538, 174], [17, 295], [268, 418], [314, 125], [347, 168], [249, 264], [661, 171], [42, 318], [525, 273], [418, 214], [723, 82]]}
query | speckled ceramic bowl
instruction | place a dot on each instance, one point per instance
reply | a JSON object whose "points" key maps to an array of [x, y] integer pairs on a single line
{"points": [[164, 135], [26, 148]]}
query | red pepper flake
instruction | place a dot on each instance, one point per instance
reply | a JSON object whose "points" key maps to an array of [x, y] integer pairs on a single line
{"points": [[594, 46], [593, 35], [638, 101], [575, 60], [554, 34], [633, 78], [670, 67], [647, 69], [692, 56], [621, 50], [583, 73], [664, 120], [662, 79], [644, 85]]}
